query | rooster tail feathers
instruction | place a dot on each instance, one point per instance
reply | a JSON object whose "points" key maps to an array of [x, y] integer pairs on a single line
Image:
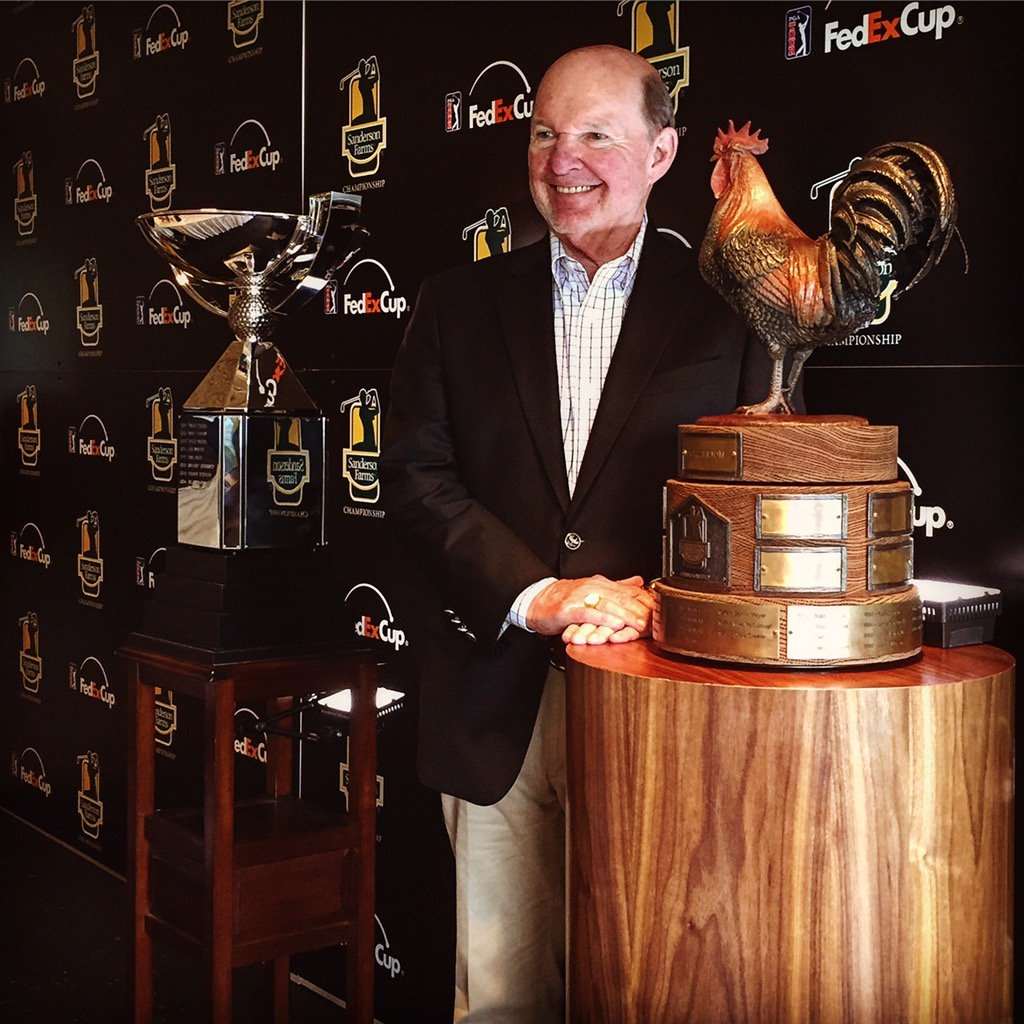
{"points": [[897, 204]]}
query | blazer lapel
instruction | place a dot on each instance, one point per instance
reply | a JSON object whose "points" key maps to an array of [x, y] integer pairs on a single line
{"points": [[655, 306], [527, 323]]}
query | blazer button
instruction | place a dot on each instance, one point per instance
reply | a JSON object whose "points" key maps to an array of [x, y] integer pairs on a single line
{"points": [[573, 541]]}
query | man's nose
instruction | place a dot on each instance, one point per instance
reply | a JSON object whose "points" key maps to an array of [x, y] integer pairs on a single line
{"points": [[565, 154]]}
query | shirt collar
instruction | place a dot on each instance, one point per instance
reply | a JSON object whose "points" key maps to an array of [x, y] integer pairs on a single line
{"points": [[564, 266]]}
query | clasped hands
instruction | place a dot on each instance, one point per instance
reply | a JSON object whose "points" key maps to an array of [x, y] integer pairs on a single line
{"points": [[593, 610]]}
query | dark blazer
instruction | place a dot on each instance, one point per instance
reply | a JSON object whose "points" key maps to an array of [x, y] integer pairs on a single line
{"points": [[474, 480]]}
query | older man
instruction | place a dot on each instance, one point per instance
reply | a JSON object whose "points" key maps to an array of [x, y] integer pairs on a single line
{"points": [[532, 424]]}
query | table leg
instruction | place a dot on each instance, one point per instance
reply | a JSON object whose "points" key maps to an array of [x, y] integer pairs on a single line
{"points": [[219, 854], [140, 804]]}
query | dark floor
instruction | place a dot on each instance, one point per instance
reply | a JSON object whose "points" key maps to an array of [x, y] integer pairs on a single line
{"points": [[64, 948]]}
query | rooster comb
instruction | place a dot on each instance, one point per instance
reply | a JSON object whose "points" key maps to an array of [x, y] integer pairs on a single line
{"points": [[740, 138]]}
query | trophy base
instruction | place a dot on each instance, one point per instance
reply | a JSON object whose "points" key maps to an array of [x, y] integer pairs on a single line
{"points": [[251, 480], [247, 601], [797, 633], [788, 542]]}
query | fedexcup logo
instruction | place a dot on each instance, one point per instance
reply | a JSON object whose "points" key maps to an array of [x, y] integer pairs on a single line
{"points": [[90, 561], [360, 458], [30, 663], [376, 620], [160, 169], [25, 204], [369, 290], [147, 567], [500, 94], [162, 34], [250, 149], [90, 680], [250, 742], [90, 806], [365, 136], [85, 67], [874, 28], [931, 517], [29, 318], [25, 83], [89, 185], [27, 545], [91, 440], [29, 437], [28, 768], [89, 312], [491, 234], [163, 307], [655, 35]]}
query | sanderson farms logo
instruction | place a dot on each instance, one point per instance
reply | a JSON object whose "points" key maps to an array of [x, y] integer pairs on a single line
{"points": [[288, 462], [30, 663], [161, 444], [90, 806], [655, 36], [85, 67], [25, 204], [29, 437], [365, 136], [360, 459], [160, 169], [89, 312], [491, 234]]}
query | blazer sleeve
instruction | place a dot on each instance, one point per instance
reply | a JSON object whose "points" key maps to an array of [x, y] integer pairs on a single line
{"points": [[475, 560]]}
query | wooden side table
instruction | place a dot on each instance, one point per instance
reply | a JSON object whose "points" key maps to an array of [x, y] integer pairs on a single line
{"points": [[253, 880], [790, 847]]}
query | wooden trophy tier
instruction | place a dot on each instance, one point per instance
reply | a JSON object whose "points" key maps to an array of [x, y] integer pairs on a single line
{"points": [[788, 542]]}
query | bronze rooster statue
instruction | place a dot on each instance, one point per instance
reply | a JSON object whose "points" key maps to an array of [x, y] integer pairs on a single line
{"points": [[895, 205]]}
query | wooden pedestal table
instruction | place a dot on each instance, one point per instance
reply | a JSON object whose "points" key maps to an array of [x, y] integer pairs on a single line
{"points": [[790, 847], [256, 880]]}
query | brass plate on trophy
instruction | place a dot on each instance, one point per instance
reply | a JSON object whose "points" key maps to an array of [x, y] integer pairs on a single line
{"points": [[853, 632], [890, 565], [718, 455], [801, 516], [713, 629], [803, 570], [890, 513]]}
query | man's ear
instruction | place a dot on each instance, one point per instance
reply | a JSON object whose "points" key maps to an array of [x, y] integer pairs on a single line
{"points": [[666, 142]]}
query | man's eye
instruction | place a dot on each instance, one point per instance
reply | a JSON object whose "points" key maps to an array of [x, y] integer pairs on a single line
{"points": [[542, 135]]}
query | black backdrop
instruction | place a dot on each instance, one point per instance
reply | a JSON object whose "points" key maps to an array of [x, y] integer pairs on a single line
{"points": [[113, 109]]}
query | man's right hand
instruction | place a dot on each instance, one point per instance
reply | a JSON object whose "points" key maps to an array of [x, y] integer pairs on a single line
{"points": [[592, 610]]}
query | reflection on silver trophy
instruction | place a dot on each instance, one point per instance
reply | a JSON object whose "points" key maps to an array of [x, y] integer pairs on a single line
{"points": [[252, 442]]}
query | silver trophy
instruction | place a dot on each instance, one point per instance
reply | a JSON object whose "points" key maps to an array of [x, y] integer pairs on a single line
{"points": [[252, 443]]}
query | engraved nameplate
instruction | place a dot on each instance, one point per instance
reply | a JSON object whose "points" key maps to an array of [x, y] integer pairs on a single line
{"points": [[802, 516], [820, 570], [890, 513], [851, 632], [717, 629], [890, 565], [718, 455]]}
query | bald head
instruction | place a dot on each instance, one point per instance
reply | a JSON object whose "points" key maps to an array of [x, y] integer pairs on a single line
{"points": [[655, 104]]}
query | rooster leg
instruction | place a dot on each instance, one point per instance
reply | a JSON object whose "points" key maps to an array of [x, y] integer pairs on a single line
{"points": [[796, 368], [776, 400]]}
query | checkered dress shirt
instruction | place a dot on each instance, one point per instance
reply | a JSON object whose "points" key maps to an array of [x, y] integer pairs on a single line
{"points": [[588, 318]]}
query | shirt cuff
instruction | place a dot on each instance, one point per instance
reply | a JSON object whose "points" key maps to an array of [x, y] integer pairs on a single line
{"points": [[521, 605]]}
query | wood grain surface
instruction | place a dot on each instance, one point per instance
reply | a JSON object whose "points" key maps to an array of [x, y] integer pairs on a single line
{"points": [[778, 846], [803, 449]]}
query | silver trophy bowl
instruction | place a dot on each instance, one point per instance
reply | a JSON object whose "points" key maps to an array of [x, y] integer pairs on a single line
{"points": [[252, 441]]}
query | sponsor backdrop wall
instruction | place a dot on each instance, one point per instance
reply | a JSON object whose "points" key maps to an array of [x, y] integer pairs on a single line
{"points": [[111, 110]]}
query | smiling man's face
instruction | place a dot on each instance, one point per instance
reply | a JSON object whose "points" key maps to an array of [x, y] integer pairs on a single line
{"points": [[593, 157]]}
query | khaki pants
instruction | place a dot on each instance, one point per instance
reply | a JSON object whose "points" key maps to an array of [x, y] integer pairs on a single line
{"points": [[510, 885]]}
